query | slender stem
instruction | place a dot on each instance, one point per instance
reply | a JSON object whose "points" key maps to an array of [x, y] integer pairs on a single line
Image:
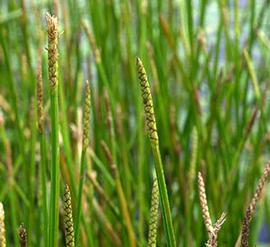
{"points": [[55, 167], [55, 170], [164, 196]]}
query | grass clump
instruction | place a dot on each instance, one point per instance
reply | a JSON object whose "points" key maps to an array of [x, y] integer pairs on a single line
{"points": [[206, 109]]}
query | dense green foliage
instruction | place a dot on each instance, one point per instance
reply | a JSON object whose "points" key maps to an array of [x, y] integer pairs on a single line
{"points": [[207, 66]]}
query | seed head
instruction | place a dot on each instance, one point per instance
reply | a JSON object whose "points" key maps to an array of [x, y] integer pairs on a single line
{"points": [[252, 206], [204, 205], [153, 223], [52, 50], [2, 226], [148, 103], [68, 219]]}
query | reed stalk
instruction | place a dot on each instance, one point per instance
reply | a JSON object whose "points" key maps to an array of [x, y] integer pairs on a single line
{"points": [[153, 135], [85, 144], [40, 113], [55, 167], [121, 195]]}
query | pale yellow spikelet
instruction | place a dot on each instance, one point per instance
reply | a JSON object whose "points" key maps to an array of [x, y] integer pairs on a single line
{"points": [[148, 103], [86, 116], [2, 226], [212, 242], [252, 206], [52, 50], [68, 219], [153, 223], [204, 205]]}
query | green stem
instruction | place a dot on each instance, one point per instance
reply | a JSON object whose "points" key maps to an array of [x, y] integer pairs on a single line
{"points": [[55, 170], [164, 196]]}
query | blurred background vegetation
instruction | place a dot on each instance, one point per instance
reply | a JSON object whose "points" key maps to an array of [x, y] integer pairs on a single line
{"points": [[208, 66]]}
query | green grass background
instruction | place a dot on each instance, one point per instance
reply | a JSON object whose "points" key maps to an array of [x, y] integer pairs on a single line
{"points": [[208, 66]]}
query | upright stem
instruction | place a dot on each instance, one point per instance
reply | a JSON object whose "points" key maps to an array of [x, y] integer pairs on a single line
{"points": [[153, 136], [55, 168]]}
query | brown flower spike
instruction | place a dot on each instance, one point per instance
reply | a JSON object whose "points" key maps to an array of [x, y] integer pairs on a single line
{"points": [[252, 206], [52, 50], [148, 103]]}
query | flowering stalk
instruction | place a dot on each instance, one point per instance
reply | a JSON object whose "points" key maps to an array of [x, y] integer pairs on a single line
{"points": [[55, 168], [86, 123], [153, 135]]}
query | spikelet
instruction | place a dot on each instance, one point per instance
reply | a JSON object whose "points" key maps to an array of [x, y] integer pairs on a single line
{"points": [[153, 223], [2, 226], [204, 205], [52, 50], [212, 242], [86, 116], [40, 110], [219, 223], [252, 206], [22, 236], [148, 103], [68, 220]]}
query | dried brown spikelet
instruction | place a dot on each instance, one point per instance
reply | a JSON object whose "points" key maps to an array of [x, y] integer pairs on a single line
{"points": [[148, 103], [252, 206], [52, 50], [2, 226], [22, 236], [204, 205], [153, 223], [86, 116], [68, 219], [40, 109]]}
